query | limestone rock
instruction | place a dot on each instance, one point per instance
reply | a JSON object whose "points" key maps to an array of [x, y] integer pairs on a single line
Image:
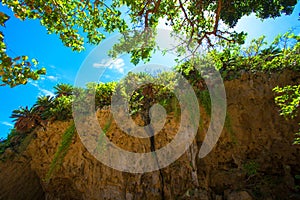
{"points": [[256, 134]]}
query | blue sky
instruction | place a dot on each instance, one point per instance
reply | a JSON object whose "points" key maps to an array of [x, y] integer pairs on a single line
{"points": [[30, 38]]}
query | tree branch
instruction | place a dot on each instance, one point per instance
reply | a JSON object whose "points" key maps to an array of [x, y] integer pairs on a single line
{"points": [[149, 11], [218, 12], [86, 4], [185, 14]]}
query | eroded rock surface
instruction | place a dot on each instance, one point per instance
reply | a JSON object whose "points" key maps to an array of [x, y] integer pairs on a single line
{"points": [[253, 159]]}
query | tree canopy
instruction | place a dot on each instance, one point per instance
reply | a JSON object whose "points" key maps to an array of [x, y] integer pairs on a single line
{"points": [[206, 22], [15, 71]]}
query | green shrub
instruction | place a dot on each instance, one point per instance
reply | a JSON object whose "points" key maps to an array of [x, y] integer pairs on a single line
{"points": [[103, 93], [13, 139], [288, 99], [282, 53], [148, 90], [62, 108]]}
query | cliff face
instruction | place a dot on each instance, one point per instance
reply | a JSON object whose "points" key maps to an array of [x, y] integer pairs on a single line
{"points": [[253, 159]]}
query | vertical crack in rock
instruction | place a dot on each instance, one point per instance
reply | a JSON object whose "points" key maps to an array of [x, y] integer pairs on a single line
{"points": [[150, 131]]}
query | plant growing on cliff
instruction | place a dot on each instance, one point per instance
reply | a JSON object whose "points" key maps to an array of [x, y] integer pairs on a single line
{"points": [[63, 89], [101, 146], [288, 100], [149, 89], [43, 105], [61, 108], [26, 119], [62, 150], [103, 93], [13, 140], [282, 53]]}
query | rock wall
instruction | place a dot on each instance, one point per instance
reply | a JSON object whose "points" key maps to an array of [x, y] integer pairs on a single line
{"points": [[19, 181], [253, 159]]}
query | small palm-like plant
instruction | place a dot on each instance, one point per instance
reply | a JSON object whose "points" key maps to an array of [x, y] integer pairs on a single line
{"points": [[63, 89], [270, 53], [26, 119]]}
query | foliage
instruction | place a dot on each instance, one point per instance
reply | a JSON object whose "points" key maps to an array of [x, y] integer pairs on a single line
{"points": [[139, 44], [26, 119], [15, 71], [13, 139], [61, 108], [103, 93], [198, 20], [45, 108], [150, 90], [63, 89], [282, 53], [62, 150], [288, 100], [78, 19], [43, 105], [67, 18], [192, 73]]}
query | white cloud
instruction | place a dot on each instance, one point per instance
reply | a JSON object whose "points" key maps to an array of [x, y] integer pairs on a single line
{"points": [[46, 92], [7, 124], [42, 90], [34, 84], [117, 64], [52, 78]]}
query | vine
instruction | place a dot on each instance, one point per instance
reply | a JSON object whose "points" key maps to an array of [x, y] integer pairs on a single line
{"points": [[61, 151]]}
